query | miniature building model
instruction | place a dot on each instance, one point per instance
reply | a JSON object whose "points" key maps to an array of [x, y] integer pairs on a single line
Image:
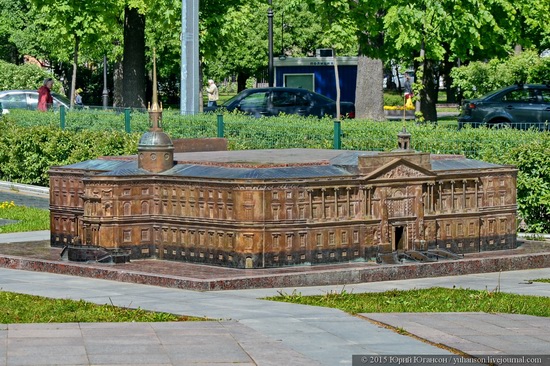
{"points": [[269, 208]]}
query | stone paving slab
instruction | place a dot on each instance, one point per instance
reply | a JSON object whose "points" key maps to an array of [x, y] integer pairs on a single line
{"points": [[29, 199], [266, 331], [170, 343], [476, 334]]}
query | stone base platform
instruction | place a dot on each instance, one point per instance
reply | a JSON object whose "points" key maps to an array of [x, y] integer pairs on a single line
{"points": [[39, 256]]}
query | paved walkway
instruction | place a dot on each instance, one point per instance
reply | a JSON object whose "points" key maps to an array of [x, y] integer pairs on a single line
{"points": [[24, 195], [251, 331]]}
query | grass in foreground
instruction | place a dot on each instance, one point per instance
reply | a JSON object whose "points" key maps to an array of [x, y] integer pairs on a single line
{"points": [[28, 218], [20, 308], [434, 299]]}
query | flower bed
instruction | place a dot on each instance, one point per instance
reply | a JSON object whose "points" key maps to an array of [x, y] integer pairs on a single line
{"points": [[397, 108]]}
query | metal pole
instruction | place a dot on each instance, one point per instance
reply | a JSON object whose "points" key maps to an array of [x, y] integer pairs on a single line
{"points": [[337, 143], [189, 101], [270, 44], [62, 116], [184, 67], [127, 117], [105, 90], [220, 125]]}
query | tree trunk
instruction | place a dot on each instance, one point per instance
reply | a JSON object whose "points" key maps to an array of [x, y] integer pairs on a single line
{"points": [[428, 95], [134, 83], [448, 65], [117, 85], [75, 66], [242, 77], [449, 91], [369, 93]]}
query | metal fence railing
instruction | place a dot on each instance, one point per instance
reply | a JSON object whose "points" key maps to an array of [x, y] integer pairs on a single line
{"points": [[539, 126]]}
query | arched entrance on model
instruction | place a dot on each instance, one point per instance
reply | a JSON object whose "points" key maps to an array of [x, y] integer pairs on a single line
{"points": [[399, 237]]}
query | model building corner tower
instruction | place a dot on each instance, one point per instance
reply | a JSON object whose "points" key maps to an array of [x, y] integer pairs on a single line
{"points": [[155, 148]]}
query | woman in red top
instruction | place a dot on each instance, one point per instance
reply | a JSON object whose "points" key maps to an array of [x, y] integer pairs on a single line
{"points": [[45, 99]]}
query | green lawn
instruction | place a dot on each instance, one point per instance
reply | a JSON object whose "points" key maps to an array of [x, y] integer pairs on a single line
{"points": [[426, 300], [20, 308], [27, 218]]}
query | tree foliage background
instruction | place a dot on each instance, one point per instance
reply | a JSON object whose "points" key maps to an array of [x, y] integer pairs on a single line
{"points": [[432, 36]]}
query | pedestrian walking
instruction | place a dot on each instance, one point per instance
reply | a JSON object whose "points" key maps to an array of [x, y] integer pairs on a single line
{"points": [[45, 99], [213, 95]]}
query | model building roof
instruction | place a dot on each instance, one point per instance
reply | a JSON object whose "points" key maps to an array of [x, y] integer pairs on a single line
{"points": [[265, 164]]}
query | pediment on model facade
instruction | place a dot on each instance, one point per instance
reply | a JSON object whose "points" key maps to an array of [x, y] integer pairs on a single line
{"points": [[399, 169]]}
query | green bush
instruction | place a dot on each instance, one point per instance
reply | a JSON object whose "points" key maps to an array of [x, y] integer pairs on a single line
{"points": [[391, 99], [25, 76], [531, 158], [479, 78], [27, 153]]}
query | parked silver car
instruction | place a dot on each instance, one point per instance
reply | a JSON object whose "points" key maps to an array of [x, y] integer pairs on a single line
{"points": [[28, 99]]}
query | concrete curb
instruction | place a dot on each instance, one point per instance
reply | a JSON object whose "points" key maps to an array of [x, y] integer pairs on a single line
{"points": [[25, 188], [320, 278], [527, 235]]}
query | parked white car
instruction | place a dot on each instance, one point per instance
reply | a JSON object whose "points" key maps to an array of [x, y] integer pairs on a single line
{"points": [[28, 99]]}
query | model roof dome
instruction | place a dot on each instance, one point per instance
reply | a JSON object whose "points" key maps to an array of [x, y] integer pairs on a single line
{"points": [[155, 139]]}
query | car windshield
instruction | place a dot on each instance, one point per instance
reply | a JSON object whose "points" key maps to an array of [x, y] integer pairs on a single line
{"points": [[317, 96], [508, 88], [62, 98], [231, 100], [322, 98]]}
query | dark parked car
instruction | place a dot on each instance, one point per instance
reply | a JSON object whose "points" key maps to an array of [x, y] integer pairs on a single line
{"points": [[274, 101], [28, 99], [522, 106]]}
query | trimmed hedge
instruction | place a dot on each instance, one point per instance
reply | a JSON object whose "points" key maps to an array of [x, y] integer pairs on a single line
{"points": [[27, 153]]}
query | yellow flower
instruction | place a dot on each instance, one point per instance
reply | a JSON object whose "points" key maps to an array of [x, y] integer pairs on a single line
{"points": [[7, 204], [397, 108]]}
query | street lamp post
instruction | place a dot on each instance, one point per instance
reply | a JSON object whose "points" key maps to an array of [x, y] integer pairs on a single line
{"points": [[270, 44], [105, 90], [282, 33], [190, 88]]}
